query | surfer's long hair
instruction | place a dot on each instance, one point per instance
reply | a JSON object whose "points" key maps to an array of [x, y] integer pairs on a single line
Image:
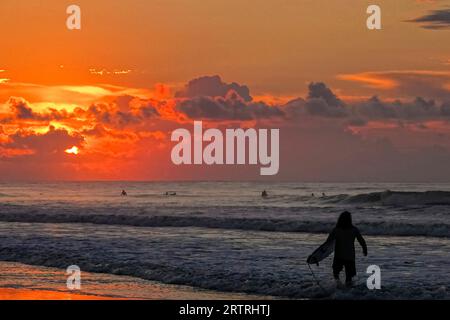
{"points": [[344, 221]]}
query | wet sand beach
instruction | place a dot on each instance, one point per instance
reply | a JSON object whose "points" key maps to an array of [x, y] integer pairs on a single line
{"points": [[23, 282]]}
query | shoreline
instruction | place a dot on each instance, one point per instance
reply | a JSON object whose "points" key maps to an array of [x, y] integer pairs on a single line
{"points": [[25, 282]]}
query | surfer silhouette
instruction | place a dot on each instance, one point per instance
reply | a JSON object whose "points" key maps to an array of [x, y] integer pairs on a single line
{"points": [[124, 193], [344, 235]]}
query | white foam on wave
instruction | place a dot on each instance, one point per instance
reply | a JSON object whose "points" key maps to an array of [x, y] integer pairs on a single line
{"points": [[399, 198], [230, 218]]}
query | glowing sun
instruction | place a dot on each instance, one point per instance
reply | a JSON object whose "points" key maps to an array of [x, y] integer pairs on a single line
{"points": [[73, 150]]}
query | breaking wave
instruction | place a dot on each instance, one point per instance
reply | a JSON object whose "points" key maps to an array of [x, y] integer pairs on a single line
{"points": [[386, 228], [395, 198]]}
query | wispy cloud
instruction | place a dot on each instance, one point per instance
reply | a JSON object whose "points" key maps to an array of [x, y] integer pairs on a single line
{"points": [[434, 20], [103, 72], [3, 80], [410, 83]]}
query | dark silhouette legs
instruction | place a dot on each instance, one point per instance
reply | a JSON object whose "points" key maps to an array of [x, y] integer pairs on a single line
{"points": [[350, 270]]}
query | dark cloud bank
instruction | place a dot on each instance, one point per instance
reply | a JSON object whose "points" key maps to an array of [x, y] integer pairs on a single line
{"points": [[215, 103]]}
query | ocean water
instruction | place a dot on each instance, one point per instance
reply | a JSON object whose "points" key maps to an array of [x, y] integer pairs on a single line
{"points": [[223, 236]]}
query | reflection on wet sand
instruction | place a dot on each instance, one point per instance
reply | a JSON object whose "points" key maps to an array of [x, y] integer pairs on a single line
{"points": [[24, 282], [24, 294]]}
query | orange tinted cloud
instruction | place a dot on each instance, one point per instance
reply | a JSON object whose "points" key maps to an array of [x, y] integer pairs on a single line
{"points": [[3, 80], [426, 83], [371, 79]]}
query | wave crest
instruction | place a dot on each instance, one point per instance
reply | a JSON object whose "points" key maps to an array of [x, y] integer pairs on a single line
{"points": [[395, 198]]}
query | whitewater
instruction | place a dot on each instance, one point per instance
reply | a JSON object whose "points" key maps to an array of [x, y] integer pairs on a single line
{"points": [[223, 236]]}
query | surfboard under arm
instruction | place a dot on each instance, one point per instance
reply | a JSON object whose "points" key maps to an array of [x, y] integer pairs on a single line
{"points": [[321, 253]]}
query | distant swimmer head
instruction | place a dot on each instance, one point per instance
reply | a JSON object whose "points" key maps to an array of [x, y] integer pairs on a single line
{"points": [[345, 220], [124, 193]]}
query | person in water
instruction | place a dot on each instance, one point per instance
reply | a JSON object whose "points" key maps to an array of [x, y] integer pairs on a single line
{"points": [[344, 235], [124, 193], [264, 194]]}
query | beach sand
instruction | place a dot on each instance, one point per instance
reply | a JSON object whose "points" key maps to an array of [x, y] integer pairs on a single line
{"points": [[24, 282]]}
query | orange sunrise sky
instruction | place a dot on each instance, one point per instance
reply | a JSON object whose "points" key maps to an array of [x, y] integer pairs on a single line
{"points": [[100, 103]]}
